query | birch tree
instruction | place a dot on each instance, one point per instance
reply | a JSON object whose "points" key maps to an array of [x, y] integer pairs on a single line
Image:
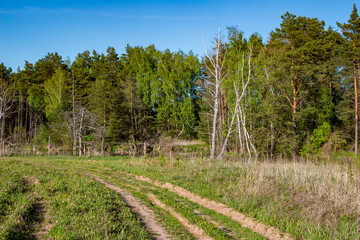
{"points": [[238, 109], [6, 103], [214, 64]]}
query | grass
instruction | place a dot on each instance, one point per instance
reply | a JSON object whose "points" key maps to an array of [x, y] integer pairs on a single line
{"points": [[185, 208], [307, 200], [80, 207], [17, 203]]}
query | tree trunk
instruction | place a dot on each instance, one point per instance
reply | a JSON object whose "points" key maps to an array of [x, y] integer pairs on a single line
{"points": [[213, 135], [103, 143], [294, 105], [18, 119], [243, 120], [217, 63], [103, 134], [49, 145], [26, 124], [145, 149], [2, 136], [80, 131], [224, 146], [239, 134], [356, 110], [74, 115], [271, 140], [330, 87], [30, 125]]}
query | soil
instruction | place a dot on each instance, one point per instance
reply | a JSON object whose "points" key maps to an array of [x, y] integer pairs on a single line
{"points": [[219, 226], [147, 216], [41, 219], [194, 230], [44, 210], [258, 227]]}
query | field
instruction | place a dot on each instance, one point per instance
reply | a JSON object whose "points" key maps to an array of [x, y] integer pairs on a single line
{"points": [[160, 198]]}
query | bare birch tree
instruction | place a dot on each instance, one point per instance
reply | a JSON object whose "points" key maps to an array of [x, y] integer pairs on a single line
{"points": [[77, 122], [237, 109], [213, 86], [6, 103]]}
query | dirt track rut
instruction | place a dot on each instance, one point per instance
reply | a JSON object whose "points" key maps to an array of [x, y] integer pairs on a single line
{"points": [[146, 215], [258, 227], [194, 230]]}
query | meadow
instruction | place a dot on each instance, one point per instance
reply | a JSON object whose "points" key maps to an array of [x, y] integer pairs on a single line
{"points": [[74, 198]]}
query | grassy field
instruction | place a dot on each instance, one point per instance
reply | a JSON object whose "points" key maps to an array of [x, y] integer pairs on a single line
{"points": [[58, 198]]}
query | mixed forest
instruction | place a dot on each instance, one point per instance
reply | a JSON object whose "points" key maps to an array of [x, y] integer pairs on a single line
{"points": [[294, 95]]}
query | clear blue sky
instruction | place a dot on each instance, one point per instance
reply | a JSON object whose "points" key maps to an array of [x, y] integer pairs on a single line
{"points": [[31, 29]]}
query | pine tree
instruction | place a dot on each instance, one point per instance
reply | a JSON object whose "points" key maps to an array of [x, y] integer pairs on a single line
{"points": [[295, 46], [351, 32]]}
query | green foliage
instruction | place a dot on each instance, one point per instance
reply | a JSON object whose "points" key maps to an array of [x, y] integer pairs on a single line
{"points": [[317, 139], [320, 135], [35, 99], [56, 93]]}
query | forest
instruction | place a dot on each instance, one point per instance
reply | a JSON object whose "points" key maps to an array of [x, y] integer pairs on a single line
{"points": [[295, 95]]}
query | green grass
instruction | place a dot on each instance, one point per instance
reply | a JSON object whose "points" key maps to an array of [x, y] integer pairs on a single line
{"points": [[184, 207], [17, 203], [80, 208], [307, 200]]}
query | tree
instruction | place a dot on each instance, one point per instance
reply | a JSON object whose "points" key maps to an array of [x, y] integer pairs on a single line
{"points": [[239, 90], [351, 32], [295, 46], [80, 84], [6, 102], [56, 99], [237, 110], [214, 64], [174, 93]]}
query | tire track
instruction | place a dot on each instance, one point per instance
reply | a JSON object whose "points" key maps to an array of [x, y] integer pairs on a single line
{"points": [[193, 229], [41, 215], [258, 227], [146, 215]]}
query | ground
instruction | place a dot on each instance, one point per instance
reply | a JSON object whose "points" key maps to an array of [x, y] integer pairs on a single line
{"points": [[159, 198]]}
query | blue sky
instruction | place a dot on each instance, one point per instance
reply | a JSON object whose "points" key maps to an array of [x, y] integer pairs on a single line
{"points": [[31, 29]]}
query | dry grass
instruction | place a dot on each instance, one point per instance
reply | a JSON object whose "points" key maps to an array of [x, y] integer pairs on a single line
{"points": [[321, 193]]}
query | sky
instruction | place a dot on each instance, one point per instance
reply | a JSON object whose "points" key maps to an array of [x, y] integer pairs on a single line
{"points": [[31, 29]]}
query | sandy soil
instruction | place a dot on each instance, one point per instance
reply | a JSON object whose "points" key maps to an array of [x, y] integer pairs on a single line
{"points": [[194, 230], [146, 215], [42, 212], [258, 227]]}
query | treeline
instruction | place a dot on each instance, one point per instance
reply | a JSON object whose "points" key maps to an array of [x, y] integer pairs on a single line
{"points": [[294, 95]]}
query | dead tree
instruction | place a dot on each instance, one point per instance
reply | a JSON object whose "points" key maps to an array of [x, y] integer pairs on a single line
{"points": [[6, 103], [237, 109], [214, 64], [77, 122]]}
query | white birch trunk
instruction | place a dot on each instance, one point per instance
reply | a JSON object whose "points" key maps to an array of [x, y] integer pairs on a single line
{"points": [[237, 105]]}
